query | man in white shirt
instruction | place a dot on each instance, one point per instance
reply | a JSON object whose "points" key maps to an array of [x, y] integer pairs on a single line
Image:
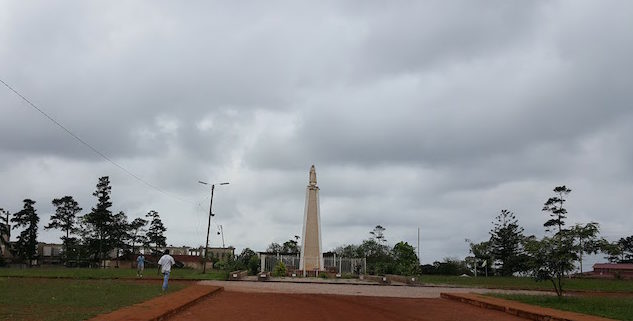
{"points": [[164, 266]]}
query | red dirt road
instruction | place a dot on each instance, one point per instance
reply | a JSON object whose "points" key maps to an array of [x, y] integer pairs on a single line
{"points": [[241, 306]]}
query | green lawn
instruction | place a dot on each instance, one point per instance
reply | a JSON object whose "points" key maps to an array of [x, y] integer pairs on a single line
{"points": [[110, 273], [68, 300], [619, 308], [529, 283]]}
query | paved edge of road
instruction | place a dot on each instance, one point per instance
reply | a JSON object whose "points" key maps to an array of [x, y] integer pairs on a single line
{"points": [[520, 309], [161, 307]]}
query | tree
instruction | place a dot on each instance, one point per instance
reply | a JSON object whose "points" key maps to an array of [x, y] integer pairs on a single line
{"points": [[482, 257], [506, 238], [248, 259], [554, 205], [405, 260], [620, 251], [378, 257], [275, 248], [350, 250], [26, 245], [290, 246], [587, 239], [66, 209], [99, 220], [4, 229], [378, 234], [119, 233], [156, 232], [626, 244], [551, 258], [137, 232]]}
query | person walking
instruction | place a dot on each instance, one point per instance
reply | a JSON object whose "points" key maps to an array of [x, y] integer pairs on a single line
{"points": [[140, 265], [164, 266]]}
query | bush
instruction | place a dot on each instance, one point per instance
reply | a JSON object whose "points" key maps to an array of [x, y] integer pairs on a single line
{"points": [[280, 269], [323, 275], [253, 265]]}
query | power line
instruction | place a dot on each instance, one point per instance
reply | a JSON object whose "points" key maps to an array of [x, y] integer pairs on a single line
{"points": [[96, 151]]}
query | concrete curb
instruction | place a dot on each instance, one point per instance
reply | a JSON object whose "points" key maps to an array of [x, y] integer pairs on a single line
{"points": [[520, 309], [162, 307]]}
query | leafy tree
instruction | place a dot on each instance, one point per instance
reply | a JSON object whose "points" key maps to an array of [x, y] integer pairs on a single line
{"points": [[350, 250], [26, 245], [119, 233], [482, 253], [156, 232], [137, 232], [253, 265], [245, 257], [4, 229], [626, 244], [620, 251], [405, 260], [587, 239], [552, 258], [275, 248], [290, 246], [66, 210], [378, 256], [100, 219], [506, 238], [554, 205]]}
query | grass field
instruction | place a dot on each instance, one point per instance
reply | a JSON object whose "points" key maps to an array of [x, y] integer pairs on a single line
{"points": [[86, 273], [529, 283], [619, 308], [68, 300]]}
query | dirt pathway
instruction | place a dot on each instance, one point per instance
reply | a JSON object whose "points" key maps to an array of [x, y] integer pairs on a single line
{"points": [[257, 306]]}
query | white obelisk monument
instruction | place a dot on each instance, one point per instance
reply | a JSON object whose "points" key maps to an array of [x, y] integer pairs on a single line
{"points": [[311, 254]]}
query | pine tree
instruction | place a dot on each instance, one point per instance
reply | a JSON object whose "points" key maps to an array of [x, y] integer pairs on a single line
{"points": [[66, 210], [506, 238], [100, 219], [156, 233], [26, 245]]}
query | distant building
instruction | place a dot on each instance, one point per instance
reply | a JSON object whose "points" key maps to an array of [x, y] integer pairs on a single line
{"points": [[611, 270], [49, 253]]}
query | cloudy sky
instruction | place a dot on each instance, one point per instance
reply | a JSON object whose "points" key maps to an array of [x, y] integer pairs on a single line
{"points": [[429, 114]]}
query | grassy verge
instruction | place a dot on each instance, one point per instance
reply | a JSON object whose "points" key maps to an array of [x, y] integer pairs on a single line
{"points": [[86, 273], [619, 308], [529, 283], [62, 300]]}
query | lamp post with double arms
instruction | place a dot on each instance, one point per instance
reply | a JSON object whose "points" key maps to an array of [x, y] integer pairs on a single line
{"points": [[206, 246]]}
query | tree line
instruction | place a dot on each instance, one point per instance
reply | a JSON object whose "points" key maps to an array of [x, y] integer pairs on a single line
{"points": [[88, 238], [509, 252]]}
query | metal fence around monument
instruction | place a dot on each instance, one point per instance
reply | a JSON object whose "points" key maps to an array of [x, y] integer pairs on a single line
{"points": [[341, 265]]}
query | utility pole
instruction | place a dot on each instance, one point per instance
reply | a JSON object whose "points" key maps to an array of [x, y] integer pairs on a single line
{"points": [[206, 246]]}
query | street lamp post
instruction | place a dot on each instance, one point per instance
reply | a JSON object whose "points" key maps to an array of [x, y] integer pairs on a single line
{"points": [[206, 247]]}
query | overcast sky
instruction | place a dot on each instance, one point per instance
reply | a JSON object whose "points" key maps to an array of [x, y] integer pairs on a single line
{"points": [[429, 114]]}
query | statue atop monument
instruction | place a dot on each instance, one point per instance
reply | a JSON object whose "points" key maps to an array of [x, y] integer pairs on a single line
{"points": [[312, 176]]}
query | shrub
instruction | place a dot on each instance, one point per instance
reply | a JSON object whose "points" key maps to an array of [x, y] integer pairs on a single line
{"points": [[323, 275], [280, 269]]}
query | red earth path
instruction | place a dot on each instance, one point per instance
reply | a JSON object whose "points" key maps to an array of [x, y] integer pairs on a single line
{"points": [[242, 306]]}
